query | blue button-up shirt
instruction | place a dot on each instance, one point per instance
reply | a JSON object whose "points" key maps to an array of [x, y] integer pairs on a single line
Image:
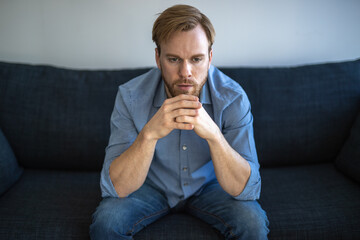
{"points": [[182, 163]]}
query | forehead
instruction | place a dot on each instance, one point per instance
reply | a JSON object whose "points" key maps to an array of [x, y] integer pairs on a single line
{"points": [[185, 42]]}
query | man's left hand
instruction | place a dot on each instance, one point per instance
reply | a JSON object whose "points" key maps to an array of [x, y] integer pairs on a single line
{"points": [[204, 126]]}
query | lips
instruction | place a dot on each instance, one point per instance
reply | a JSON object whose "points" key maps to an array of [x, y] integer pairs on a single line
{"points": [[184, 87]]}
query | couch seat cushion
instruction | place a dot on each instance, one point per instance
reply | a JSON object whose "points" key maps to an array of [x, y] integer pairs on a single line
{"points": [[59, 205], [179, 226], [310, 202], [49, 205], [303, 202]]}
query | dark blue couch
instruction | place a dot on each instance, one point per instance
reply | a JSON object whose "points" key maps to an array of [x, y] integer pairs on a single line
{"points": [[56, 121]]}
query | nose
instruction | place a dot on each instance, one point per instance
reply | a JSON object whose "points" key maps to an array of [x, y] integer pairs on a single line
{"points": [[185, 70]]}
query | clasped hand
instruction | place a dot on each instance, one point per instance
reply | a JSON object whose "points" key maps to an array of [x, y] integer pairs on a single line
{"points": [[183, 112]]}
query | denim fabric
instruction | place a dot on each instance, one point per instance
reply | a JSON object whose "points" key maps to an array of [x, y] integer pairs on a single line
{"points": [[348, 160], [117, 218], [10, 171], [301, 114]]}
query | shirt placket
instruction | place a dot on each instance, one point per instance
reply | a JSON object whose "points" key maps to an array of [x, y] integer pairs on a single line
{"points": [[184, 164]]}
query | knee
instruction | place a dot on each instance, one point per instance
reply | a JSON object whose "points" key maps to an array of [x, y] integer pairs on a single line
{"points": [[250, 223], [256, 227], [109, 223]]}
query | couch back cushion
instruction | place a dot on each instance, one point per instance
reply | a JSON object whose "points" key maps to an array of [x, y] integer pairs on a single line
{"points": [[348, 161], [301, 114], [10, 171], [58, 118]]}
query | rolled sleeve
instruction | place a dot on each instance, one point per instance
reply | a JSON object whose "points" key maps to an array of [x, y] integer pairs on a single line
{"points": [[122, 134], [238, 131], [253, 186]]}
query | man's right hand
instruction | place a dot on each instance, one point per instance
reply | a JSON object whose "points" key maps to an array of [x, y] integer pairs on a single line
{"points": [[163, 122]]}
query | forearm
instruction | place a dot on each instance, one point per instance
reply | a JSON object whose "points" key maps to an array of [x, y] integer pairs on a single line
{"points": [[231, 169], [128, 171]]}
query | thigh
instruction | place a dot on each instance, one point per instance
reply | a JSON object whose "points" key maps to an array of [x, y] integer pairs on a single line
{"points": [[121, 218], [233, 218]]}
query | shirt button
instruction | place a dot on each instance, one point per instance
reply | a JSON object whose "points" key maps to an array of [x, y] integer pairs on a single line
{"points": [[186, 184], [184, 147], [185, 169]]}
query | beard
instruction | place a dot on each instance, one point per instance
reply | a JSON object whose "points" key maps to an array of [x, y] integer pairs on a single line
{"points": [[173, 90]]}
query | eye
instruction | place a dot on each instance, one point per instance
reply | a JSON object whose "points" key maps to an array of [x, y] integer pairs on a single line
{"points": [[173, 59], [197, 59]]}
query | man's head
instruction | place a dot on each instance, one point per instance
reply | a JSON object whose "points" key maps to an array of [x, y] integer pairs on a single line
{"points": [[184, 38]]}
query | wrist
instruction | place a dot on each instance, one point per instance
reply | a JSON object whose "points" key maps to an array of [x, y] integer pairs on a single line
{"points": [[147, 135], [216, 137]]}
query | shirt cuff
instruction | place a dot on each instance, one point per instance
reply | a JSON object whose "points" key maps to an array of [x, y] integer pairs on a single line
{"points": [[106, 185], [253, 186]]}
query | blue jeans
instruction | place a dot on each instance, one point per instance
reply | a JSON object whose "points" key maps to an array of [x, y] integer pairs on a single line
{"points": [[121, 218]]}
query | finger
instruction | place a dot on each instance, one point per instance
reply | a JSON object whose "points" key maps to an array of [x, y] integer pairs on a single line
{"points": [[184, 126], [186, 104], [184, 112], [181, 97], [182, 104], [185, 119]]}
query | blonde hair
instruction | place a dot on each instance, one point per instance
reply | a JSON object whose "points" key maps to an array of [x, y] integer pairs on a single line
{"points": [[180, 18]]}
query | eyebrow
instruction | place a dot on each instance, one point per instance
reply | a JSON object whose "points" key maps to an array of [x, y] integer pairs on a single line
{"points": [[194, 56]]}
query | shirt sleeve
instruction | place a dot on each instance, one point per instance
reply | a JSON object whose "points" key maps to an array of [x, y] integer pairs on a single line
{"points": [[122, 134], [238, 131]]}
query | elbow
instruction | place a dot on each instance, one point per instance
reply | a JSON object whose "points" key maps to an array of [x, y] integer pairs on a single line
{"points": [[121, 194], [122, 190], [236, 192]]}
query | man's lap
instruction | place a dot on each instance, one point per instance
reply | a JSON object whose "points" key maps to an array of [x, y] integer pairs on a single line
{"points": [[123, 217], [126, 216], [235, 219]]}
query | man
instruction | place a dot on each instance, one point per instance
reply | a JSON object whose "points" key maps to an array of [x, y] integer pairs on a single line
{"points": [[181, 139]]}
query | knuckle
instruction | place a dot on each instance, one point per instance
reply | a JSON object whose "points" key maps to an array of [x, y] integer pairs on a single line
{"points": [[166, 124], [166, 108], [184, 103]]}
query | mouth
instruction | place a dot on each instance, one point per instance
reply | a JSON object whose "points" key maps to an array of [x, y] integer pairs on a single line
{"points": [[185, 87]]}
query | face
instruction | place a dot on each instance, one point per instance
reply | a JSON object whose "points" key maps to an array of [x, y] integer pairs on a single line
{"points": [[184, 62]]}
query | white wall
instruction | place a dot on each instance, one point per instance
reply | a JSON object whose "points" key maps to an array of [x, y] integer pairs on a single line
{"points": [[117, 33]]}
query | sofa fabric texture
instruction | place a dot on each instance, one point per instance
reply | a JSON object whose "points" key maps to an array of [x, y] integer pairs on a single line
{"points": [[56, 115], [10, 171], [348, 161], [313, 107], [306, 127]]}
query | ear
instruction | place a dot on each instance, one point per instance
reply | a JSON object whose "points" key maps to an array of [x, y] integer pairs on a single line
{"points": [[157, 58], [210, 57]]}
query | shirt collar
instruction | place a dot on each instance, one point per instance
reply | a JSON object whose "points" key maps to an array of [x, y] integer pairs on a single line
{"points": [[160, 95], [205, 97]]}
